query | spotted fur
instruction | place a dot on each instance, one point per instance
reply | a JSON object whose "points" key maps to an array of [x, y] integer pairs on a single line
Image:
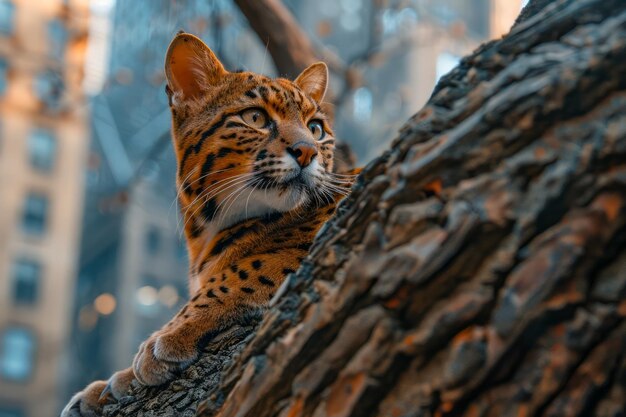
{"points": [[255, 184]]}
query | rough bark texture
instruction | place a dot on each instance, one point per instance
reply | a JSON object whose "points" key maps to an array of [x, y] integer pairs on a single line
{"points": [[478, 268]]}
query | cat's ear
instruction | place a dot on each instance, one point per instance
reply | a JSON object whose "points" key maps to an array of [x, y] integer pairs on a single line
{"points": [[314, 81], [191, 67]]}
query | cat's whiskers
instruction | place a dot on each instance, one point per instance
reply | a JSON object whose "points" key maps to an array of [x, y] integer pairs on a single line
{"points": [[340, 180], [230, 182], [334, 189], [179, 189], [325, 195], [318, 200], [331, 190], [182, 187], [340, 176], [293, 199], [336, 174], [256, 183], [343, 185], [267, 186], [225, 200], [232, 197], [204, 194], [192, 216], [213, 190], [208, 174]]}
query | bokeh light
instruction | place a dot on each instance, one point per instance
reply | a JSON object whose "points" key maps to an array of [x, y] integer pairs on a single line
{"points": [[105, 304]]}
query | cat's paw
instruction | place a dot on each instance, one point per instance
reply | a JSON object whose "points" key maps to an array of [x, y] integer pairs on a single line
{"points": [[89, 402], [163, 355]]}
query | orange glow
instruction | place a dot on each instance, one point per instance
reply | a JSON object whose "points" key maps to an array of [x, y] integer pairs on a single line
{"points": [[87, 318], [105, 304]]}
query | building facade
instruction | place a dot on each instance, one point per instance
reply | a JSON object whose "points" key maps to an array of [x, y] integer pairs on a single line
{"points": [[43, 142]]}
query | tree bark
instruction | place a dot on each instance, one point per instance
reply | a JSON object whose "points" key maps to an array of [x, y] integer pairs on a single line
{"points": [[479, 266]]}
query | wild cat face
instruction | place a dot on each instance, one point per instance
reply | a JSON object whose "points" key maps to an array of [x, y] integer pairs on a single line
{"points": [[246, 145]]}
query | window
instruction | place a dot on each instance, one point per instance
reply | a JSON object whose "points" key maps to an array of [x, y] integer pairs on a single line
{"points": [[49, 88], [17, 352], [26, 278], [153, 240], [42, 149], [7, 12], [57, 33], [4, 69], [35, 214]]}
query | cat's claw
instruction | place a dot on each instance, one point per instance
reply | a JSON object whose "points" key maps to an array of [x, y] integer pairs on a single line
{"points": [[161, 357], [89, 402], [106, 393], [85, 403], [158, 360]]}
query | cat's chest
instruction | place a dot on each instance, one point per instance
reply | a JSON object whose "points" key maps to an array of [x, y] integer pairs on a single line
{"points": [[267, 238]]}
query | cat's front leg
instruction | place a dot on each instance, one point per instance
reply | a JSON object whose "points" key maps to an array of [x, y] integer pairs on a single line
{"points": [[168, 351], [177, 345], [221, 301]]}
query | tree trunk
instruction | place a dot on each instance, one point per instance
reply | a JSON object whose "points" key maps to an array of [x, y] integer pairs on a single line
{"points": [[479, 266]]}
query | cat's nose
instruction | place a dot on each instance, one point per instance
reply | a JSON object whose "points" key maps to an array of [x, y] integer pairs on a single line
{"points": [[303, 153]]}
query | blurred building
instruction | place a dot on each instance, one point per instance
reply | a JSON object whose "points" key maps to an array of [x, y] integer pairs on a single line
{"points": [[43, 143], [397, 49], [451, 30]]}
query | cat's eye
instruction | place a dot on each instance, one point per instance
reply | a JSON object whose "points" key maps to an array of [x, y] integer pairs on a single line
{"points": [[317, 129], [256, 118]]}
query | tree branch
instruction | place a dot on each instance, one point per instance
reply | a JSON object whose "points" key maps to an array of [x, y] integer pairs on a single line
{"points": [[289, 46]]}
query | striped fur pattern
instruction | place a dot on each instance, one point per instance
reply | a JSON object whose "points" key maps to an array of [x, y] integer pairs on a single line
{"points": [[255, 184]]}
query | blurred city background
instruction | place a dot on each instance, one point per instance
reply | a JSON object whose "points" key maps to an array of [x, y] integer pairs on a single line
{"points": [[91, 255]]}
